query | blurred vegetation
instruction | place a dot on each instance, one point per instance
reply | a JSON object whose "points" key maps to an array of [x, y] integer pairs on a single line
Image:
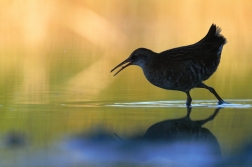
{"points": [[72, 45]]}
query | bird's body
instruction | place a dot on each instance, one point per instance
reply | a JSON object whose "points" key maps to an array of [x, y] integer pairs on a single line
{"points": [[182, 68]]}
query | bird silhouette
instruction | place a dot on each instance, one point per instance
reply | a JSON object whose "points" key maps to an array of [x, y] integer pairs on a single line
{"points": [[182, 68]]}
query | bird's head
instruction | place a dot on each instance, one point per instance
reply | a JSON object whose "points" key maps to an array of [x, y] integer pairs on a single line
{"points": [[138, 57]]}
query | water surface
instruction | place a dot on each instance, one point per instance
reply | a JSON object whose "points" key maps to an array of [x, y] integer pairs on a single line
{"points": [[77, 133]]}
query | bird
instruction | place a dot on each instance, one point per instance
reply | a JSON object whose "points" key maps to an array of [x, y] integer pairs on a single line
{"points": [[182, 68]]}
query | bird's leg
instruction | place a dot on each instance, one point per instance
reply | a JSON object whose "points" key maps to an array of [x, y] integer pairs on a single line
{"points": [[202, 85], [189, 109], [189, 99], [202, 122]]}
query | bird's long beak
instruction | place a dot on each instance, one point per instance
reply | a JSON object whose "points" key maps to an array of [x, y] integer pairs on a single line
{"points": [[122, 63]]}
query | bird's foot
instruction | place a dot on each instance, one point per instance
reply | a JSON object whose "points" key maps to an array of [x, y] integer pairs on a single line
{"points": [[188, 105], [222, 103]]}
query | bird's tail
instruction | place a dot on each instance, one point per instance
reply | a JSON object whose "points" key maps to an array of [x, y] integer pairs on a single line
{"points": [[214, 36], [211, 47]]}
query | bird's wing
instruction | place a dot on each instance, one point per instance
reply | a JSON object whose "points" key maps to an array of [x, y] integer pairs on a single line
{"points": [[207, 50], [180, 55]]}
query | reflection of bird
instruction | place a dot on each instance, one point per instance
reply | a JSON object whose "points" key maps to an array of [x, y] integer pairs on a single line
{"points": [[185, 131], [179, 129], [182, 68]]}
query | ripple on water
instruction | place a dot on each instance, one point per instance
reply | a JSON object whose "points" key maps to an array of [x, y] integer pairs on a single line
{"points": [[232, 103]]}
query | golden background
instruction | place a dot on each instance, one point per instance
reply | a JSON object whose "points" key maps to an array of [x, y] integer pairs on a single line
{"points": [[75, 44]]}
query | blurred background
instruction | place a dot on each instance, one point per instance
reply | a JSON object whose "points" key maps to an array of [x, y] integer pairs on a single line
{"points": [[56, 57], [55, 47]]}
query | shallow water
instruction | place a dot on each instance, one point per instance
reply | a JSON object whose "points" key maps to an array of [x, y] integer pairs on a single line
{"points": [[232, 103], [95, 133]]}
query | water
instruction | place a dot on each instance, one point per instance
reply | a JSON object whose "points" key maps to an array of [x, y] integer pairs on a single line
{"points": [[113, 134], [179, 103]]}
